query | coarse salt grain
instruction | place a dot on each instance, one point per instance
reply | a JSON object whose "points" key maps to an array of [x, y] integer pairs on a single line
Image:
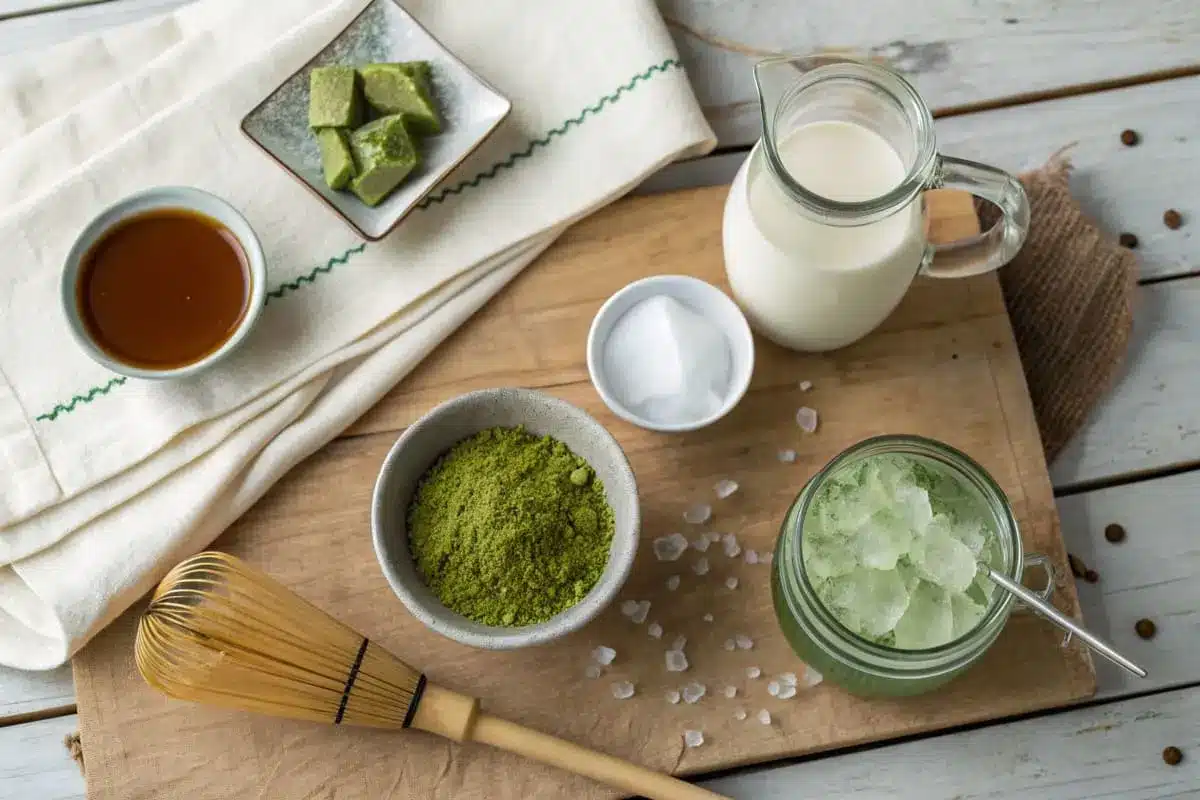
{"points": [[701, 566], [670, 548], [622, 690], [593, 671], [655, 630], [693, 692], [739, 714], [788, 679], [604, 655], [811, 677], [629, 608], [731, 692], [786, 692], [731, 582], [805, 385], [693, 738], [676, 661], [724, 488], [753, 672], [787, 456], [672, 583], [643, 610], [700, 543], [730, 544], [773, 688], [807, 419], [697, 514], [730, 645], [744, 642], [708, 617], [751, 557], [672, 696], [679, 643], [764, 717]]}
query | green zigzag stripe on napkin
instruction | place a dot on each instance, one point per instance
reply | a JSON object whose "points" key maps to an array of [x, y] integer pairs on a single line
{"points": [[287, 287]]}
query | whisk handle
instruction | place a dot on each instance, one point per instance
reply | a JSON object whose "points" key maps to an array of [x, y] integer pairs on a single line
{"points": [[597, 766]]}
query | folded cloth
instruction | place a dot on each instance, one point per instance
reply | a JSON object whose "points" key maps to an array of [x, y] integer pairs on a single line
{"points": [[108, 481]]}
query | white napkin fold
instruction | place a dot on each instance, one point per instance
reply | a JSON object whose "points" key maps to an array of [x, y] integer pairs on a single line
{"points": [[108, 481]]}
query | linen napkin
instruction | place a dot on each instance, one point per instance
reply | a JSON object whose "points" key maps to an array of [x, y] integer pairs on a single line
{"points": [[108, 481]]}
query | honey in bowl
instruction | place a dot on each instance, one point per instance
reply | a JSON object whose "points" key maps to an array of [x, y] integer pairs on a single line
{"points": [[163, 289]]}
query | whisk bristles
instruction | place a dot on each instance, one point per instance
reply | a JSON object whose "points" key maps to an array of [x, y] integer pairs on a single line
{"points": [[219, 631]]}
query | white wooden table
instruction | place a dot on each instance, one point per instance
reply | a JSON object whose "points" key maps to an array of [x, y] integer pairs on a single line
{"points": [[1012, 81]]}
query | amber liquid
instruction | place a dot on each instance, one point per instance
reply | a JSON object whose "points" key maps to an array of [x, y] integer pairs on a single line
{"points": [[164, 289]]}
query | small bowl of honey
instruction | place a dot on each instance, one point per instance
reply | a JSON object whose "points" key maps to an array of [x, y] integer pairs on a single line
{"points": [[164, 283]]}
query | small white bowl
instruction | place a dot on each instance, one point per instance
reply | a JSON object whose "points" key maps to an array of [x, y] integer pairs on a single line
{"points": [[161, 198], [704, 299]]}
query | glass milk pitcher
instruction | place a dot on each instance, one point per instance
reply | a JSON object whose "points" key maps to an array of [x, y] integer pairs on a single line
{"points": [[825, 224]]}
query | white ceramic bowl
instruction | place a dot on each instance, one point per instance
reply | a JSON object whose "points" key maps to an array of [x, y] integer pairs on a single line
{"points": [[703, 298], [425, 441], [160, 198]]}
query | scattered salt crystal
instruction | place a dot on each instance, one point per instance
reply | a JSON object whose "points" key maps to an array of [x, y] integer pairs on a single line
{"points": [[672, 583], [697, 514], [730, 544], [641, 612], [670, 548], [731, 582], [730, 645], [655, 630], [629, 608], [676, 661], [773, 688], [713, 537], [700, 543], [751, 557], [693, 692], [679, 643], [806, 418], [693, 738], [593, 671], [708, 617], [725, 487], [788, 679], [739, 714], [622, 690], [672, 696], [786, 692], [744, 642], [767, 556], [764, 717], [805, 385], [753, 672], [787, 456], [811, 677], [604, 655], [701, 566], [731, 692]]}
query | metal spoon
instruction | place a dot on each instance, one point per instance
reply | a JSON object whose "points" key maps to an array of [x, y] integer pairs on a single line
{"points": [[1063, 621]]}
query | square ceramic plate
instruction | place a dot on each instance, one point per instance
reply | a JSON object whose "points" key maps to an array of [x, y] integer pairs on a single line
{"points": [[470, 108]]}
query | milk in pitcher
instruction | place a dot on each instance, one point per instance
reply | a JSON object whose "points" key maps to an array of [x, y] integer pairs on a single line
{"points": [[808, 285]]}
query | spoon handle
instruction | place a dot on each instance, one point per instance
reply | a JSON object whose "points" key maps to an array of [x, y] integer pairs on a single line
{"points": [[1063, 621]]}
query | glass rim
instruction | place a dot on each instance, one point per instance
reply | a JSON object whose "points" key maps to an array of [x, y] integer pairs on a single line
{"points": [[998, 610], [920, 174]]}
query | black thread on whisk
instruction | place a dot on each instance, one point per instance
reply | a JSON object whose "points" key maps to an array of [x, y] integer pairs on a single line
{"points": [[416, 700], [362, 651]]}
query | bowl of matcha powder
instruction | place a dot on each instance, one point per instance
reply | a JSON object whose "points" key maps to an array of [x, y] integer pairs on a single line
{"points": [[505, 518]]}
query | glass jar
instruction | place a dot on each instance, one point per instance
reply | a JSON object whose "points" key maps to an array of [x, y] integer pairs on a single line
{"points": [[858, 665]]}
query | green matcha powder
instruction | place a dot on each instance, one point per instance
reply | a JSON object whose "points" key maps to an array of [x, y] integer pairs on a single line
{"points": [[510, 529]]}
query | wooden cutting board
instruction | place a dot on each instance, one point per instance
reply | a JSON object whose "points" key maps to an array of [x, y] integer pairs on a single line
{"points": [[944, 365]]}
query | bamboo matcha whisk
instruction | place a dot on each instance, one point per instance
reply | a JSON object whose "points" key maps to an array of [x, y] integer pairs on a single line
{"points": [[219, 631]]}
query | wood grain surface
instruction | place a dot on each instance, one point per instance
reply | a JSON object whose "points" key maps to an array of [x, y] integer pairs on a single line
{"points": [[944, 365]]}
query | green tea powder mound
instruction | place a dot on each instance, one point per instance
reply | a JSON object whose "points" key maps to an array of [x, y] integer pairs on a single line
{"points": [[509, 529]]}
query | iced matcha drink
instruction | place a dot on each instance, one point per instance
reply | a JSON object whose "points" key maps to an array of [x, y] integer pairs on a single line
{"points": [[891, 545]]}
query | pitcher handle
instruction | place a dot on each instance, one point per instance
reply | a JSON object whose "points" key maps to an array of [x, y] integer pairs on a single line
{"points": [[994, 247]]}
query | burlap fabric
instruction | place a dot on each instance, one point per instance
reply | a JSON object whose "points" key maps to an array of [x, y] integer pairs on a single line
{"points": [[1070, 295]]}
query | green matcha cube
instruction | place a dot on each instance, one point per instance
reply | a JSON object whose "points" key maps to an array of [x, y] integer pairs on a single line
{"points": [[336, 159], [419, 71], [333, 97], [384, 154], [393, 89]]}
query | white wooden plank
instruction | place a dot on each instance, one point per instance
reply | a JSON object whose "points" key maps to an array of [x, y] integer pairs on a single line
{"points": [[35, 764], [1110, 750], [1151, 418], [23, 36], [957, 53], [24, 693], [1153, 574], [1121, 188]]}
